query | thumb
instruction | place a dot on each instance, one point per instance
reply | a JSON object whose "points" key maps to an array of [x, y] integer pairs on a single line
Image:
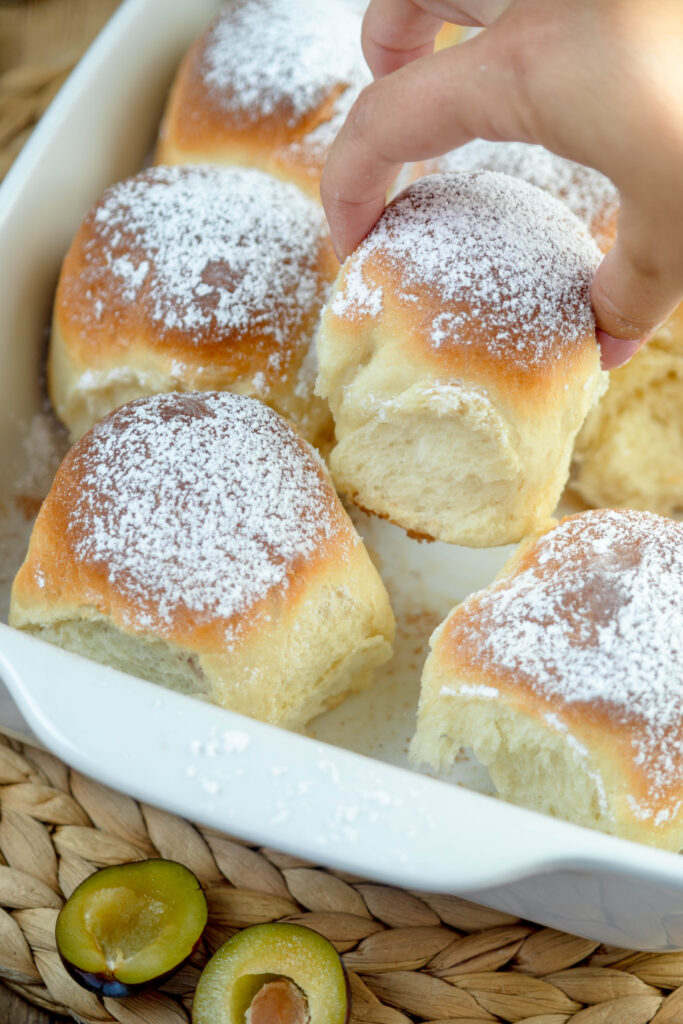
{"points": [[637, 285]]}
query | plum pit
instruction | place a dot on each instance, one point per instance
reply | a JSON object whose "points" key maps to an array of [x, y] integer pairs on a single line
{"points": [[278, 1002]]}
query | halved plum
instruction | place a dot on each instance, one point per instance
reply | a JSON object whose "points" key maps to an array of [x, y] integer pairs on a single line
{"points": [[273, 974], [130, 927]]}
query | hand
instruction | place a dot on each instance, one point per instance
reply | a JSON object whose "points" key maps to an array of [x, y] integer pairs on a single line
{"points": [[597, 81]]}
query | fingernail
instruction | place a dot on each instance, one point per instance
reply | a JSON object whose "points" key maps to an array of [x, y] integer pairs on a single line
{"points": [[614, 352]]}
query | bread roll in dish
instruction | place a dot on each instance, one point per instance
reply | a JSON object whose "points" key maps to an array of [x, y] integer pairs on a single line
{"points": [[267, 85], [565, 677], [630, 450], [193, 278], [195, 540], [459, 357], [448, 35], [587, 192]]}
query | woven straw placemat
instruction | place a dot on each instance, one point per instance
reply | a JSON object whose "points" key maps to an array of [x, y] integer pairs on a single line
{"points": [[410, 956], [40, 41]]}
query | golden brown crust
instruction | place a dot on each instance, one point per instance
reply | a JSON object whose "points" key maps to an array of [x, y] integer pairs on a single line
{"points": [[467, 355], [192, 278], [224, 112], [71, 564], [197, 129], [478, 277], [101, 325]]}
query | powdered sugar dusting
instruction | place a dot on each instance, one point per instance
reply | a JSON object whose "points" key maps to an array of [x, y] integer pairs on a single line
{"points": [[488, 261], [269, 57], [199, 503], [472, 690], [587, 192], [596, 618], [213, 252]]}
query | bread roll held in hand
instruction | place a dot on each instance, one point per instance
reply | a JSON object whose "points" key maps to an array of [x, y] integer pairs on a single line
{"points": [[268, 85], [565, 677], [192, 278], [195, 540], [459, 358]]}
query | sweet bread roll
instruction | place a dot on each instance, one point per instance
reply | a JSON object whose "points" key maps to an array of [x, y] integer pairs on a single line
{"points": [[192, 278], [630, 450], [587, 192], [195, 540], [267, 85], [459, 358], [565, 677], [448, 35]]}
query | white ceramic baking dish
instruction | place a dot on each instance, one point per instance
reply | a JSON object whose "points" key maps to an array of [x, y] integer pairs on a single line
{"points": [[309, 796]]}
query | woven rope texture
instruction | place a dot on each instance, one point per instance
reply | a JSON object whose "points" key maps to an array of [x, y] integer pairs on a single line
{"points": [[39, 44], [410, 956]]}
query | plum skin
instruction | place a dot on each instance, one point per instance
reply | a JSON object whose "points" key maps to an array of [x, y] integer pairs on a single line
{"points": [[259, 954], [117, 934], [106, 985]]}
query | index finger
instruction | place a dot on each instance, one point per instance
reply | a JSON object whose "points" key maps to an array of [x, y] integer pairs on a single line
{"points": [[422, 110]]}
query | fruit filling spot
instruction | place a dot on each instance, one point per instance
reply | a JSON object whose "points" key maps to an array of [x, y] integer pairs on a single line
{"points": [[123, 922], [278, 1002]]}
